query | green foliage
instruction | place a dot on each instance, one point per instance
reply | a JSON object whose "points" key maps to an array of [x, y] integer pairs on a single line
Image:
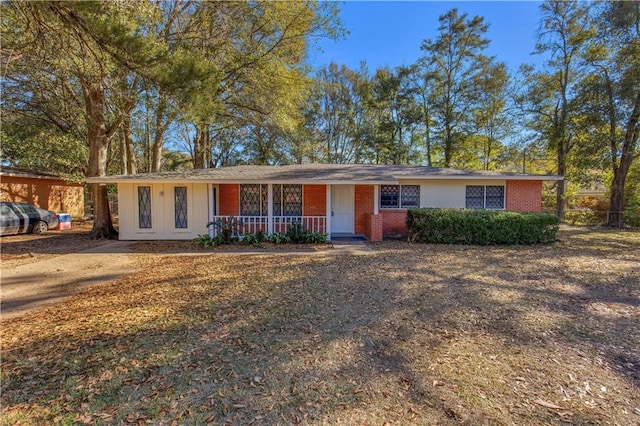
{"points": [[255, 239], [279, 238], [480, 227], [207, 241], [226, 229], [298, 234]]}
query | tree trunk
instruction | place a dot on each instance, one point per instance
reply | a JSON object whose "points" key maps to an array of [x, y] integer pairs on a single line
{"points": [[128, 156], [560, 185], [98, 143], [122, 153], [160, 128], [621, 170], [201, 147]]}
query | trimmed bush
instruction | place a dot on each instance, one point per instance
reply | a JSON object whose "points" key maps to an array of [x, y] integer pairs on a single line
{"points": [[480, 227]]}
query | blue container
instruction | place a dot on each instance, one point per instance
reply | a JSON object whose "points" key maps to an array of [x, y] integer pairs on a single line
{"points": [[64, 217]]}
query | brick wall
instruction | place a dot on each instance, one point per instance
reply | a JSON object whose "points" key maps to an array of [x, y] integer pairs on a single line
{"points": [[229, 199], [394, 222], [524, 195], [48, 194], [363, 207], [374, 227], [315, 200]]}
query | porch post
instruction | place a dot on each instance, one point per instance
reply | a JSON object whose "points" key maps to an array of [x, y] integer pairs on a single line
{"points": [[376, 198], [269, 208], [328, 218]]}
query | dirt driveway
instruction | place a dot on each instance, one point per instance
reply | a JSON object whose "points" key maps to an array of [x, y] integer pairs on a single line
{"points": [[38, 270]]}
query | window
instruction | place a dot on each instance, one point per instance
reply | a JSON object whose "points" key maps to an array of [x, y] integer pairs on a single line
{"points": [[287, 200], [399, 196], [180, 203], [389, 196], [485, 197], [494, 197], [253, 200], [144, 207], [410, 196]]}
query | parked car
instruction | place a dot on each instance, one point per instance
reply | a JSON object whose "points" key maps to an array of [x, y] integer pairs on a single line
{"points": [[23, 218]]}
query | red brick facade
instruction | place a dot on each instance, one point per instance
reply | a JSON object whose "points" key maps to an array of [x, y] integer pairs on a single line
{"points": [[229, 199], [394, 222], [48, 194], [363, 207], [374, 227], [520, 196], [524, 195], [315, 200]]}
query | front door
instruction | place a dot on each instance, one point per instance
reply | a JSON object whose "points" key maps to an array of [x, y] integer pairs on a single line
{"points": [[342, 197]]}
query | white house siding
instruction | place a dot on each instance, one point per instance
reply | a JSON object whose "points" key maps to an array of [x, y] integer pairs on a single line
{"points": [[447, 193], [163, 211]]}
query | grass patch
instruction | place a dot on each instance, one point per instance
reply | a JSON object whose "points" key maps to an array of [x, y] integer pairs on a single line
{"points": [[419, 334]]}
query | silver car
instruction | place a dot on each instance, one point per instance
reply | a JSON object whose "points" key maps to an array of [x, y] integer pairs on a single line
{"points": [[23, 218]]}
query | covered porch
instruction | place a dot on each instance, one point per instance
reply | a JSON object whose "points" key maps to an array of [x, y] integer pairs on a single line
{"points": [[337, 210]]}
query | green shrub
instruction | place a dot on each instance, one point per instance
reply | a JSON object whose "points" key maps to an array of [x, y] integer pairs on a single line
{"points": [[255, 239], [226, 229], [207, 241], [298, 234], [480, 227], [279, 238]]}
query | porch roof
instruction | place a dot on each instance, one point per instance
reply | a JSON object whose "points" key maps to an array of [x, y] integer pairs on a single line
{"points": [[318, 174]]}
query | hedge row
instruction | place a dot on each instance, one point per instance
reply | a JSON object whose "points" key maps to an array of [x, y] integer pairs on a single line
{"points": [[480, 227]]}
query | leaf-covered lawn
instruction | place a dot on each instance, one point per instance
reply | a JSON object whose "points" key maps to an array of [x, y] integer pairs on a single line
{"points": [[417, 334]]}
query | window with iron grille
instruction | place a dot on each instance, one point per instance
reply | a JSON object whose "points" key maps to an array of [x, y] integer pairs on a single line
{"points": [[180, 202], [287, 200], [494, 197], [389, 196], [399, 196], [485, 197], [410, 196], [144, 207], [291, 200], [253, 200]]}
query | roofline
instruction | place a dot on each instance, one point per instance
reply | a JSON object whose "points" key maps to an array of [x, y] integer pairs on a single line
{"points": [[106, 180], [483, 177]]}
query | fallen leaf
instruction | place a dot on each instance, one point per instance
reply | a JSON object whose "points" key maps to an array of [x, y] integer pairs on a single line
{"points": [[547, 404]]}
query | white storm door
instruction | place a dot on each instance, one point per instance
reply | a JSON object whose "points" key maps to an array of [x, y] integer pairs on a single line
{"points": [[342, 201]]}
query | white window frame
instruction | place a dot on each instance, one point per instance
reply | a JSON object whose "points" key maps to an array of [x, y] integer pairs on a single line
{"points": [[137, 209], [189, 203]]}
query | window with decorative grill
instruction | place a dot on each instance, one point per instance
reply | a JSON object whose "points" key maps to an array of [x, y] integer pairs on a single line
{"points": [[291, 200], [410, 196], [144, 207], [485, 197], [475, 197], [494, 197], [180, 202], [253, 200], [389, 196], [399, 196]]}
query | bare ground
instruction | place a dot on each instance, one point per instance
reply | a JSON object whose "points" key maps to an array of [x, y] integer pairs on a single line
{"points": [[419, 334]]}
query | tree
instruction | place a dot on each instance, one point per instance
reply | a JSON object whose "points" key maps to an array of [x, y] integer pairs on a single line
{"points": [[396, 114], [454, 60], [611, 93], [551, 94], [247, 58], [80, 47]]}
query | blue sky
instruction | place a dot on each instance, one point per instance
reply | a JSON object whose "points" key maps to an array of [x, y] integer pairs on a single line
{"points": [[390, 33]]}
